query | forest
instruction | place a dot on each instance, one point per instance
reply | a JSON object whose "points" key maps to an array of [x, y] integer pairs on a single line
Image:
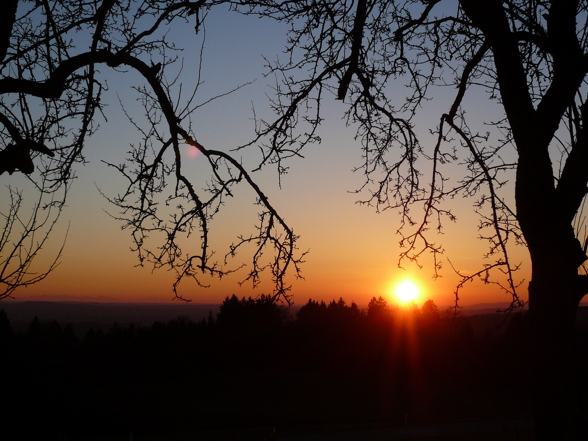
{"points": [[257, 368]]}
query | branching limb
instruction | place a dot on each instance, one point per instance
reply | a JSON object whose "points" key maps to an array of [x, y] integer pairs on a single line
{"points": [[23, 238]]}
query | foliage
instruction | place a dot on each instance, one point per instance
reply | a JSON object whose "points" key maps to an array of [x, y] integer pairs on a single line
{"points": [[378, 307], [251, 315]]}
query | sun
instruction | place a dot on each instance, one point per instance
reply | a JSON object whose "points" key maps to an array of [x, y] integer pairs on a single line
{"points": [[406, 291]]}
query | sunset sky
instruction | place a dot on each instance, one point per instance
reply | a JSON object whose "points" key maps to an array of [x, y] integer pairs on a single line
{"points": [[353, 250]]}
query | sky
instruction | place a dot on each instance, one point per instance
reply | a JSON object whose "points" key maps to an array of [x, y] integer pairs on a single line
{"points": [[353, 251]]}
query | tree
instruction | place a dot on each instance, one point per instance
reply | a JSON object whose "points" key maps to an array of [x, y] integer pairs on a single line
{"points": [[379, 309], [527, 60], [430, 315], [259, 315], [53, 56], [312, 312]]}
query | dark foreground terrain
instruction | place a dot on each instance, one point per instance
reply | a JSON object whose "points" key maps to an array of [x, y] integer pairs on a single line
{"points": [[254, 371]]}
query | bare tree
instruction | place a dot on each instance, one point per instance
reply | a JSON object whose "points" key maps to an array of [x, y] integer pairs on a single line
{"points": [[389, 61], [30, 233], [526, 61], [52, 57]]}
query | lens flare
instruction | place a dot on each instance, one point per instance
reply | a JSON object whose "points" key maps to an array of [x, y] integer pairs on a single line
{"points": [[192, 152]]}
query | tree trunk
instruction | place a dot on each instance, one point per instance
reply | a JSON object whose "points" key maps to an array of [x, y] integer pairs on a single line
{"points": [[557, 405]]}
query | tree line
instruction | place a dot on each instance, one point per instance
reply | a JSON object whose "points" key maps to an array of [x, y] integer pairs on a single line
{"points": [[256, 364]]}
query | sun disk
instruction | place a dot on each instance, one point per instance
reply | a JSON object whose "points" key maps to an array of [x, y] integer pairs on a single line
{"points": [[406, 291]]}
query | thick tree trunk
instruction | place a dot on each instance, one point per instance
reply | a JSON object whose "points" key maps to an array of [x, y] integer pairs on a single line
{"points": [[558, 408]]}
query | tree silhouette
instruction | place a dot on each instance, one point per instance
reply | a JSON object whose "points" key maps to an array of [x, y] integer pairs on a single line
{"points": [[527, 61], [257, 317], [53, 56], [379, 309], [312, 312], [430, 315]]}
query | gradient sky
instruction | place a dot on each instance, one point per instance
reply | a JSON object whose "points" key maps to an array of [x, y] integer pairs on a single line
{"points": [[353, 250]]}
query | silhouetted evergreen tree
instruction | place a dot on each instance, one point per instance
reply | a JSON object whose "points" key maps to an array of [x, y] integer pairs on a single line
{"points": [[6, 332], [34, 330], [430, 314], [259, 315], [378, 309], [312, 313]]}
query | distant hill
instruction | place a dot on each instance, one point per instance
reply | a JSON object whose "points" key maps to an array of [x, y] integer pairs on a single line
{"points": [[485, 308], [85, 315]]}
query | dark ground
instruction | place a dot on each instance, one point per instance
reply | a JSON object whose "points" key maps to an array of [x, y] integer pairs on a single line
{"points": [[334, 373]]}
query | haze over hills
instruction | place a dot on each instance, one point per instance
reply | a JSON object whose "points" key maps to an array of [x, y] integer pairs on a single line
{"points": [[98, 315], [101, 315]]}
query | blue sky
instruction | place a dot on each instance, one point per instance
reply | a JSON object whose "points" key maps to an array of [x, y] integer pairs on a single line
{"points": [[353, 250]]}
